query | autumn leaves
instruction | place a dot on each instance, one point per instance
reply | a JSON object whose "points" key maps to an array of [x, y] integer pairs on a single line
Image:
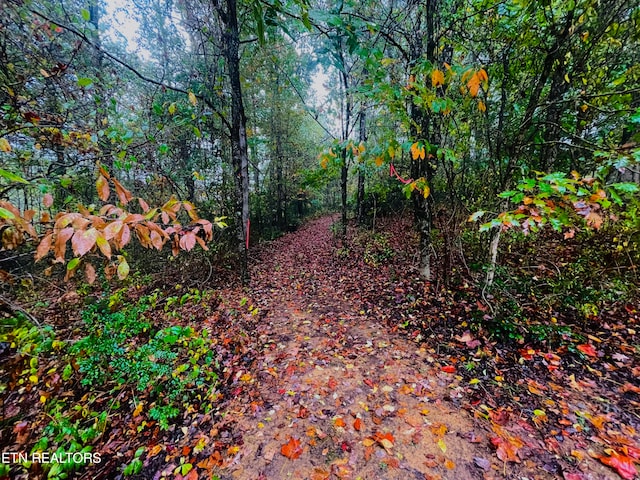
{"points": [[109, 229]]}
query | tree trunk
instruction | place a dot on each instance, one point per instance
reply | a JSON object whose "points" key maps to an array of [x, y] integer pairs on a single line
{"points": [[360, 198], [344, 171], [239, 150]]}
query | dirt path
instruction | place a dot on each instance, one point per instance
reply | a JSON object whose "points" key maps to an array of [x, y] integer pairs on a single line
{"points": [[335, 394]]}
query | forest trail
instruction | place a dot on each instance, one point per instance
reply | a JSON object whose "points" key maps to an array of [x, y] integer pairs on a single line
{"points": [[335, 394]]}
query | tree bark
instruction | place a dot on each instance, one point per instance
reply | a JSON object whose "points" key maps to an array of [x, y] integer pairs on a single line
{"points": [[238, 134], [360, 198]]}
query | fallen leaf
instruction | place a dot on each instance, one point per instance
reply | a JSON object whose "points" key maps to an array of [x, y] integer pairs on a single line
{"points": [[357, 424], [449, 369], [587, 349], [621, 463], [291, 449], [483, 463]]}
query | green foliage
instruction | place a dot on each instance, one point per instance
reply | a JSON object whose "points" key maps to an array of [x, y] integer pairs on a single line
{"points": [[377, 250], [171, 364]]}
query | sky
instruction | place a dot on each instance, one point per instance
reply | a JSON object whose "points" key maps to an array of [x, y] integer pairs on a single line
{"points": [[121, 24]]}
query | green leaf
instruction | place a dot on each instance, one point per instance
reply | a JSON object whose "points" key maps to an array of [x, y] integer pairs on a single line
{"points": [[67, 372], [12, 177], [86, 14], [84, 81], [508, 194], [6, 214], [626, 187], [73, 264]]}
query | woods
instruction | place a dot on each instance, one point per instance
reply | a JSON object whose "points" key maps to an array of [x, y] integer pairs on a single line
{"points": [[181, 180]]}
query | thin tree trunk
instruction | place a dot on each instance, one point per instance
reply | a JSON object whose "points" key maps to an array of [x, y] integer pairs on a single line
{"points": [[239, 149], [361, 179]]}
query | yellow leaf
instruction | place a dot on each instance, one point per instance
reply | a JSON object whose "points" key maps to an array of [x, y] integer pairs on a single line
{"points": [[474, 381], [386, 443], [4, 145], [566, 78], [481, 106], [367, 442], [426, 191], [392, 151], [138, 409], [123, 268], [43, 399], [33, 378], [379, 161], [437, 78], [245, 378], [172, 108], [442, 445], [192, 99]]}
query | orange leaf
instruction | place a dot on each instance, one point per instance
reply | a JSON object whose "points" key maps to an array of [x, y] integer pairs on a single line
{"points": [[44, 247], [339, 422], [507, 449], [587, 349], [83, 241], [357, 424], [124, 195], [291, 449], [621, 463], [61, 243], [437, 78], [102, 186]]}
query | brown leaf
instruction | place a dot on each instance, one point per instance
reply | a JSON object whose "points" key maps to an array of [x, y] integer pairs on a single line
{"points": [[143, 205], [291, 449], [102, 186], [44, 247], [61, 243], [89, 273], [123, 194], [83, 241]]}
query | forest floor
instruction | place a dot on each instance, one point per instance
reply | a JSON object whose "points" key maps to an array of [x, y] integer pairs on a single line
{"points": [[338, 362], [337, 392]]}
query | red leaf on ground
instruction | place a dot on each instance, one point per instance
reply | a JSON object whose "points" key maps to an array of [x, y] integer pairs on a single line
{"points": [[621, 463], [449, 369], [332, 384], [357, 424], [587, 349], [291, 449]]}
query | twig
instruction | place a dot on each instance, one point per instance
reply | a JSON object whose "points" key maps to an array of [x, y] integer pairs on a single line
{"points": [[13, 309]]}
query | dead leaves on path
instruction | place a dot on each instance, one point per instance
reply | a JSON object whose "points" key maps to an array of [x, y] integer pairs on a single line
{"points": [[292, 449]]}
